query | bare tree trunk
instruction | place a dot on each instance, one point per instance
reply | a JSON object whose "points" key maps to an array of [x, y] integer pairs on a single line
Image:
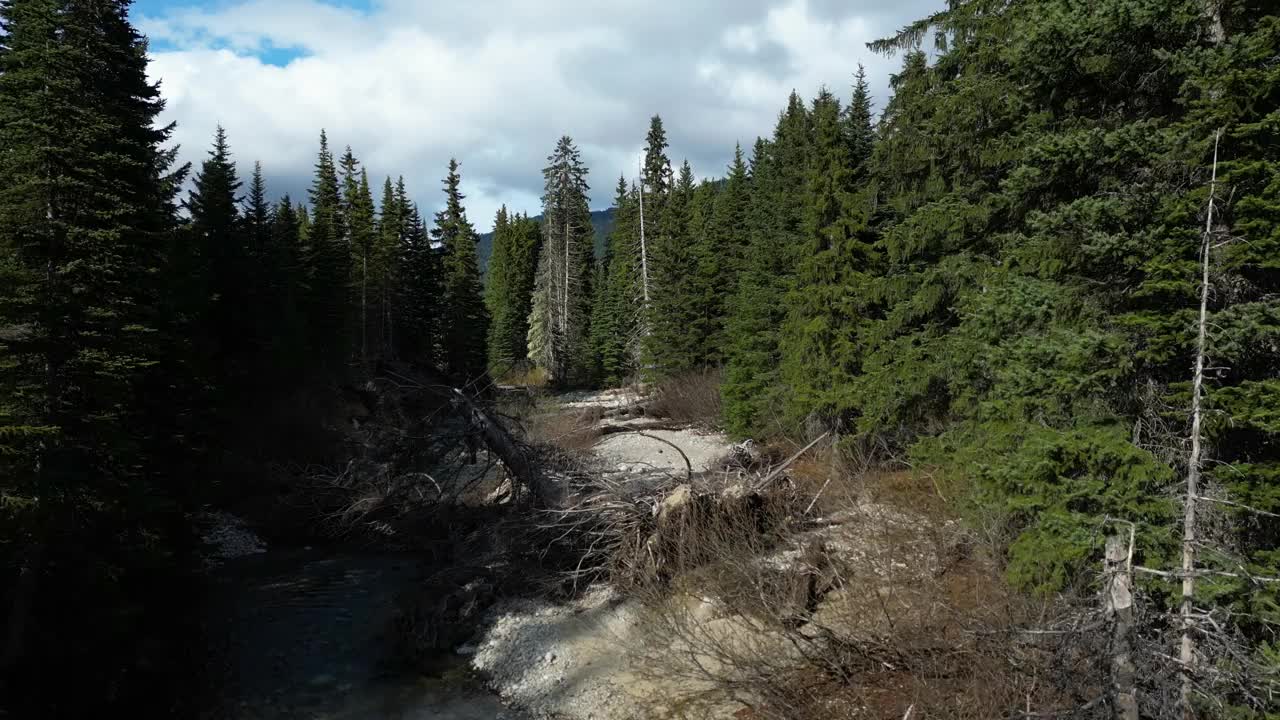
{"points": [[1213, 14], [644, 252], [1187, 656], [1118, 598], [364, 309]]}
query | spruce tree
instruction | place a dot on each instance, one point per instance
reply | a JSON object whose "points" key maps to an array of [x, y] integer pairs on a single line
{"points": [[284, 290], [257, 216], [328, 307], [419, 305], [859, 122], [616, 321], [357, 208], [657, 176], [383, 266], [465, 322], [509, 289], [670, 347], [86, 214], [541, 341], [560, 326], [819, 342], [656, 183], [720, 253], [304, 232], [495, 296], [752, 390], [224, 265]]}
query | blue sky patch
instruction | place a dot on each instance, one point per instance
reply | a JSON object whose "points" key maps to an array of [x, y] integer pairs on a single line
{"points": [[267, 52]]}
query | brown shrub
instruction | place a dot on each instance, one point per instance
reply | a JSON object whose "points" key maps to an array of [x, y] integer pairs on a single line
{"points": [[872, 610], [535, 377], [569, 429], [692, 397]]}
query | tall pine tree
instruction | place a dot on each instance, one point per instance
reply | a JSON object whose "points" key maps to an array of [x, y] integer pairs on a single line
{"points": [[216, 232], [559, 325], [464, 319], [328, 304], [617, 312], [419, 306], [86, 213], [752, 390], [669, 346], [509, 290]]}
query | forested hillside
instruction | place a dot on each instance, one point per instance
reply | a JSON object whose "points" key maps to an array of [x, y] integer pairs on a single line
{"points": [[1046, 272]]}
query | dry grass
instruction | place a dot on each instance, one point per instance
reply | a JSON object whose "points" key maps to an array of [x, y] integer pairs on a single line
{"points": [[692, 398], [535, 377], [575, 430]]}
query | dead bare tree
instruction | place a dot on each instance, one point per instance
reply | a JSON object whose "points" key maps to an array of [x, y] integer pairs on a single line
{"points": [[1118, 599], [1187, 653]]}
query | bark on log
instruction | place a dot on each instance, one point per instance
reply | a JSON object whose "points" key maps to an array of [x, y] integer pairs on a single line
{"points": [[512, 453]]}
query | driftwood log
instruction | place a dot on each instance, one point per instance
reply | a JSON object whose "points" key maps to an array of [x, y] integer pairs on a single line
{"points": [[513, 454]]}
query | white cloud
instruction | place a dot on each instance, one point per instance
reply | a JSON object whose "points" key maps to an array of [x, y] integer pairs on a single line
{"points": [[496, 82]]}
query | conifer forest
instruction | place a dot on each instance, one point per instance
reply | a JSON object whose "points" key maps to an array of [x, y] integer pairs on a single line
{"points": [[995, 363]]}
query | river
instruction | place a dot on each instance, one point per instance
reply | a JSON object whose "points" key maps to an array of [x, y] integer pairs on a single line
{"points": [[309, 634]]}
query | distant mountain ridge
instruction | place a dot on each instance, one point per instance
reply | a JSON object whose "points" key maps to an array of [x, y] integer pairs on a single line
{"points": [[601, 220]]}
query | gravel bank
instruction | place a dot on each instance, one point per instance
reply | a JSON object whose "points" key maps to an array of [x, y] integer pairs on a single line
{"points": [[705, 450], [586, 660], [589, 659]]}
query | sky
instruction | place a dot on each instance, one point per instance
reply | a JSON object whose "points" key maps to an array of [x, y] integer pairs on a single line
{"points": [[410, 83]]}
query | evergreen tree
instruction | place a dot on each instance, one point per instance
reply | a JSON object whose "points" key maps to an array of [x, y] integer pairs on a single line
{"points": [[224, 264], [86, 214], [284, 290], [383, 265], [720, 256], [357, 208], [859, 122], [541, 340], [752, 389], [560, 328], [616, 312], [656, 183], [304, 232], [257, 217], [819, 343], [330, 262], [657, 167], [465, 322], [509, 290], [670, 347], [418, 323], [495, 297]]}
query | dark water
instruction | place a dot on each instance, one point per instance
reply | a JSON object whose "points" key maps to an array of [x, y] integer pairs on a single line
{"points": [[308, 634]]}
